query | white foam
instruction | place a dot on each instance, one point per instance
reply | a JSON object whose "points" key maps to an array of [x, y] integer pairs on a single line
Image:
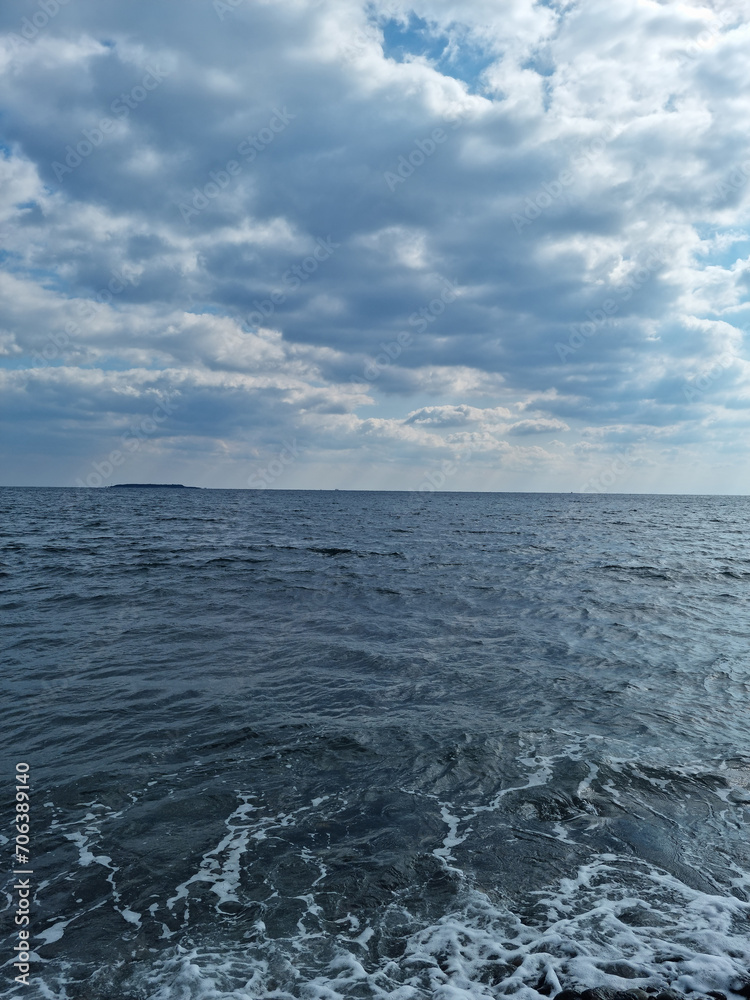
{"points": [[682, 937], [221, 866], [451, 839], [54, 932], [612, 909]]}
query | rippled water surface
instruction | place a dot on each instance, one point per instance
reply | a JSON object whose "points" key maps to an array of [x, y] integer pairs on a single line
{"points": [[343, 745]]}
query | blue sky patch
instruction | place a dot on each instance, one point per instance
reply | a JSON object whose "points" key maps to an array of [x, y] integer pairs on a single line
{"points": [[452, 53]]}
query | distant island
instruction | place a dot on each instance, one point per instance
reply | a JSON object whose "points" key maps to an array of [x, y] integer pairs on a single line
{"points": [[151, 486]]}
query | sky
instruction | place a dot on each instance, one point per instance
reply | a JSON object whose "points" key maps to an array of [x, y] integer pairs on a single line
{"points": [[281, 244]]}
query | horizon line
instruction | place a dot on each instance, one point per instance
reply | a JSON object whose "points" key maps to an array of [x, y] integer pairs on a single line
{"points": [[320, 489]]}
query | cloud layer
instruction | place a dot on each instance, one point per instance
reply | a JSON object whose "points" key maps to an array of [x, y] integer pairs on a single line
{"points": [[336, 243]]}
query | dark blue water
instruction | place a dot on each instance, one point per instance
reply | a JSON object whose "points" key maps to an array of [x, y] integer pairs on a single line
{"points": [[343, 745]]}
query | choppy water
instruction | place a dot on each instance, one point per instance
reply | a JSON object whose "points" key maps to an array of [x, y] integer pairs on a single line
{"points": [[344, 745]]}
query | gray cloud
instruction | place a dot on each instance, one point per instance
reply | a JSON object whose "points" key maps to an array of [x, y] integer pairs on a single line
{"points": [[542, 164]]}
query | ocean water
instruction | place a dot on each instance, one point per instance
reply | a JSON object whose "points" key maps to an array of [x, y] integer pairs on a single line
{"points": [[347, 745]]}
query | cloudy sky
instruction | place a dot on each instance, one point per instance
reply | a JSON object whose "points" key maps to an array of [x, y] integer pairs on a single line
{"points": [[487, 244]]}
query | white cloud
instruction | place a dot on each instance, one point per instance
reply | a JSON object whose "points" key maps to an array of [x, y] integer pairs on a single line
{"points": [[610, 131]]}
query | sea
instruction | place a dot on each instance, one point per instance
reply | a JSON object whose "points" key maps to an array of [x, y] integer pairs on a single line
{"points": [[336, 745]]}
